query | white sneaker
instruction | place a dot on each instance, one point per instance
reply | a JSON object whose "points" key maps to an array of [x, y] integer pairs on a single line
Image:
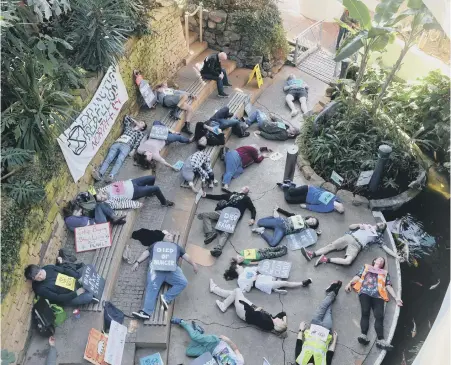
{"points": [[258, 230], [212, 285], [221, 306]]}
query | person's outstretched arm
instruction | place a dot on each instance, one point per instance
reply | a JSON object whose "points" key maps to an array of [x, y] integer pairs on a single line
{"points": [[140, 259], [354, 280], [51, 357], [390, 289], [284, 212], [331, 349], [189, 260], [299, 340], [233, 347]]}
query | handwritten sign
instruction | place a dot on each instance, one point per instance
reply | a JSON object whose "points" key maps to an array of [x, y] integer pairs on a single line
{"points": [[278, 269], [305, 238], [178, 165], [364, 178], [250, 254], [319, 331], [96, 347], [154, 359], [147, 93], [326, 197], [159, 132], [116, 343], [257, 73], [92, 237], [337, 179], [65, 281], [228, 219], [81, 141], [92, 281], [204, 359], [164, 256], [281, 125]]}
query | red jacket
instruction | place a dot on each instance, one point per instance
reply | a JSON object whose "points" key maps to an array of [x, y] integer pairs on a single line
{"points": [[249, 155]]}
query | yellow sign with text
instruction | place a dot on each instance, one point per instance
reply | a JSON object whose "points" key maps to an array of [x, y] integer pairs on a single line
{"points": [[250, 254], [65, 281], [257, 73]]}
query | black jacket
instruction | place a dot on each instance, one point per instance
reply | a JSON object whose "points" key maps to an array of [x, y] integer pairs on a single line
{"points": [[212, 138], [236, 200], [212, 66], [47, 288]]}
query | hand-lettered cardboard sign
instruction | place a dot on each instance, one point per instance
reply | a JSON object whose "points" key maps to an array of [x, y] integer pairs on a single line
{"points": [[154, 359], [305, 238], [278, 269], [228, 220], [159, 132], [164, 256], [116, 343], [65, 281], [326, 197], [337, 179], [96, 347], [92, 281], [92, 237], [204, 359]]}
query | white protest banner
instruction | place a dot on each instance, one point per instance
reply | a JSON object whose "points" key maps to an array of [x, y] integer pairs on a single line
{"points": [[116, 343], [81, 141], [92, 237]]}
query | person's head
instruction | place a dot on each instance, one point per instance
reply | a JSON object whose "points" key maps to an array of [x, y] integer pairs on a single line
{"points": [[145, 160], [291, 77], [101, 196], [280, 326], [292, 132], [35, 273], [161, 86], [239, 259], [231, 273], [71, 209], [202, 143], [381, 227], [245, 190], [312, 222], [378, 263], [140, 126], [222, 56], [168, 237], [339, 207]]}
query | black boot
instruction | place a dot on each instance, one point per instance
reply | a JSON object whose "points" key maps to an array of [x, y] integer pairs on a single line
{"points": [[186, 129]]}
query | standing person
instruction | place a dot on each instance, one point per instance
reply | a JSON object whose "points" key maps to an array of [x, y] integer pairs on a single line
{"points": [[316, 345], [205, 136], [155, 279], [373, 284], [283, 226], [171, 98], [272, 128], [345, 18], [311, 198], [212, 70], [252, 256], [223, 350], [44, 285], [239, 200], [249, 312], [121, 194], [198, 163], [353, 241], [297, 90], [237, 160], [126, 144]]}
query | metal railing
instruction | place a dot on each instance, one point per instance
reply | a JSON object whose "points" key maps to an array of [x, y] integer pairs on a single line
{"points": [[187, 15], [307, 42]]}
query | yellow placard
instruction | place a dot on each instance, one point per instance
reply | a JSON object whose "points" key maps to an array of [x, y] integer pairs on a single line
{"points": [[65, 281], [256, 72], [250, 254], [92, 190]]}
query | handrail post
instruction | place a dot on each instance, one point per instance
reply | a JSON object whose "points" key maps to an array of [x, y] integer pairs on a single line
{"points": [[320, 33], [187, 30], [296, 48], [201, 25]]}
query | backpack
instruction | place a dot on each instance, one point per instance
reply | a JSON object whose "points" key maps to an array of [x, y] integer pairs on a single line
{"points": [[43, 317], [111, 313], [87, 202]]}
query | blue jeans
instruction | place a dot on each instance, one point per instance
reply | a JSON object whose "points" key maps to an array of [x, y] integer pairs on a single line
{"points": [[233, 166], [278, 225], [341, 33], [102, 212], [144, 186], [121, 150], [219, 82], [257, 116], [173, 137], [224, 123], [200, 343], [82, 299], [323, 315], [155, 280]]}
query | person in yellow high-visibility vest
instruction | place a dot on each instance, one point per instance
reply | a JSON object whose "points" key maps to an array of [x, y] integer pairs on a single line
{"points": [[316, 345]]}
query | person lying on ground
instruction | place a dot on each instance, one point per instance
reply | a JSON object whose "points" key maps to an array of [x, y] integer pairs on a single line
{"points": [[223, 119], [122, 194], [150, 149], [221, 348], [74, 218], [205, 136], [156, 278], [144, 89], [125, 145], [212, 70], [237, 160], [296, 89], [354, 241], [239, 200], [272, 127], [248, 277], [171, 98], [44, 284], [282, 227], [252, 256], [249, 312], [310, 197], [199, 164], [373, 284], [148, 237], [316, 345]]}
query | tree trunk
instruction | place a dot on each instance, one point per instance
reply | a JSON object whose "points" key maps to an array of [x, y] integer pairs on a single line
{"points": [[362, 69]]}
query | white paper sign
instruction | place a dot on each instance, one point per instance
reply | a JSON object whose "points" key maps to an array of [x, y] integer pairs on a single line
{"points": [[116, 343], [318, 331], [81, 141], [92, 237], [336, 178], [275, 156]]}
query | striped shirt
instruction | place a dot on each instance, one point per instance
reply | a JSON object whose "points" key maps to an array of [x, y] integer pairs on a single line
{"points": [[201, 164]]}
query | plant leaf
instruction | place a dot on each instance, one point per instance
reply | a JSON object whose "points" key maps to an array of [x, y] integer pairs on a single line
{"points": [[380, 43], [359, 11], [386, 10], [352, 47], [415, 4]]}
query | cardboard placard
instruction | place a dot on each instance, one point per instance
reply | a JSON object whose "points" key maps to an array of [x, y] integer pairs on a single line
{"points": [[178, 165], [297, 221], [281, 125], [65, 281], [116, 343], [92, 281], [154, 359], [364, 178], [250, 254], [275, 268], [305, 238], [92, 237], [96, 347], [326, 197], [159, 132], [257, 73], [164, 256], [204, 359], [147, 93], [337, 179], [228, 220]]}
